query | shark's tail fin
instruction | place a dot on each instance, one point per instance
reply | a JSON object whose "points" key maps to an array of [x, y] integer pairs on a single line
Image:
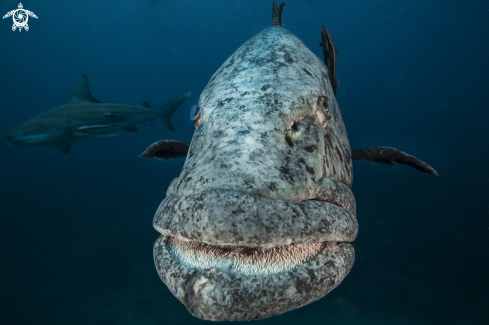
{"points": [[167, 110]]}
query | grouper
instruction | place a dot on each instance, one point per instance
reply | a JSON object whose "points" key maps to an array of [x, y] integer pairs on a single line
{"points": [[261, 218]]}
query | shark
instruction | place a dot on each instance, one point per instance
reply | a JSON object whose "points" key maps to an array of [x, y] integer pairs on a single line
{"points": [[262, 217], [85, 117]]}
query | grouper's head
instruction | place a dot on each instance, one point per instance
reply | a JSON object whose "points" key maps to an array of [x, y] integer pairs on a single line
{"points": [[260, 219]]}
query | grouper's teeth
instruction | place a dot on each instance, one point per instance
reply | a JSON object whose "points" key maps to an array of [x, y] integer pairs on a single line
{"points": [[241, 259]]}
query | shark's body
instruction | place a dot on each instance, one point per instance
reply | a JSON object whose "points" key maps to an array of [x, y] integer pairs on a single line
{"points": [[84, 117], [261, 219]]}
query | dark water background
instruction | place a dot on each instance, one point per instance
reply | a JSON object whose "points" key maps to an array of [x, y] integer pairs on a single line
{"points": [[76, 235]]}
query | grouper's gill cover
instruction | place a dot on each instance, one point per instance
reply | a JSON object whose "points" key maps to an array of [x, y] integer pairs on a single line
{"points": [[268, 87]]}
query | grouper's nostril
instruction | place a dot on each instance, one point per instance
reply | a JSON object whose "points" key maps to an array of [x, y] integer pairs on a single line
{"points": [[294, 126], [290, 141], [291, 135]]}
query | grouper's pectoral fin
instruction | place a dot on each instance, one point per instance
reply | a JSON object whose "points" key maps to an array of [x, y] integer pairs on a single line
{"points": [[330, 57], [63, 146], [166, 149], [391, 156], [81, 92]]}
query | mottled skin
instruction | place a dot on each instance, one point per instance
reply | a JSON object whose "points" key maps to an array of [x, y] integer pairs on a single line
{"points": [[217, 296], [231, 217], [268, 84], [266, 167]]}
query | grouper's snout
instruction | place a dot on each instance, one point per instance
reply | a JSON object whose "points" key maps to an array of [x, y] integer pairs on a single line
{"points": [[228, 217], [261, 218]]}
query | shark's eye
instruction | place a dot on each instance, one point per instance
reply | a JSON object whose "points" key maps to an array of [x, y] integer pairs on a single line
{"points": [[195, 114]]}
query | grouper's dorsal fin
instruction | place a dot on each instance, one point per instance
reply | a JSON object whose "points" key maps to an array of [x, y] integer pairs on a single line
{"points": [[330, 57], [277, 13], [81, 92]]}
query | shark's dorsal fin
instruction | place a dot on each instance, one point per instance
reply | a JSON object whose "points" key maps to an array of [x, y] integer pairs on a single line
{"points": [[81, 92], [146, 104]]}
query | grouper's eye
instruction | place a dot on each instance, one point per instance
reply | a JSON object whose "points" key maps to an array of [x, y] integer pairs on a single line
{"points": [[195, 114], [324, 111], [324, 100]]}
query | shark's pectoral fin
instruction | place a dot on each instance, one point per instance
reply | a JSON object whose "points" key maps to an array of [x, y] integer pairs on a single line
{"points": [[131, 128], [81, 92], [166, 149], [391, 156], [64, 146]]}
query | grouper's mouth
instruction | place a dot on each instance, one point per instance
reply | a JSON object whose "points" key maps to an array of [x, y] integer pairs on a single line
{"points": [[222, 251], [242, 259]]}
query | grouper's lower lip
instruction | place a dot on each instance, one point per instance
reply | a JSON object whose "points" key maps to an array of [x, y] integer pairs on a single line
{"points": [[229, 255], [229, 292]]}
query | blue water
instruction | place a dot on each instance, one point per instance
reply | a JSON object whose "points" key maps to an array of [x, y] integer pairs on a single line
{"points": [[76, 235]]}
